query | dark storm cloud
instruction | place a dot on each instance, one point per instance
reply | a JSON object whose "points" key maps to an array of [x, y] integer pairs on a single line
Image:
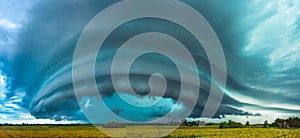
{"points": [[223, 111], [42, 67]]}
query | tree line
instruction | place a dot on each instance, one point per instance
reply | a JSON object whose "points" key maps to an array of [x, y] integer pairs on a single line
{"points": [[281, 123]]}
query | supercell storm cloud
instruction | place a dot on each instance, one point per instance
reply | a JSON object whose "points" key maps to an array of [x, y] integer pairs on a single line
{"points": [[260, 40]]}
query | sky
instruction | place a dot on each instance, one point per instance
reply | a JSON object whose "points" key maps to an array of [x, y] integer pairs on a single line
{"points": [[260, 40]]}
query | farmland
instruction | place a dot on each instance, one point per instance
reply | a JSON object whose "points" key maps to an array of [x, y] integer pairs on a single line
{"points": [[146, 131]]}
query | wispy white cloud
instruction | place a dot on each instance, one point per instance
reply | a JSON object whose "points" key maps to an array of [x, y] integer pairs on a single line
{"points": [[2, 86], [7, 24]]}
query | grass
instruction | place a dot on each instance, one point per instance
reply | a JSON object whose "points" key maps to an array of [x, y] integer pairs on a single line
{"points": [[144, 131], [50, 131], [237, 132]]}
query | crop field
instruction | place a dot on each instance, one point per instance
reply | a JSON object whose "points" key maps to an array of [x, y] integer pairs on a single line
{"points": [[144, 131]]}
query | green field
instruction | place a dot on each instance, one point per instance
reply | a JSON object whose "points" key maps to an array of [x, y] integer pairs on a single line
{"points": [[144, 131]]}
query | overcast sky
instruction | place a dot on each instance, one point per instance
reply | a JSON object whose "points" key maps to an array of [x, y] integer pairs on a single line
{"points": [[260, 40]]}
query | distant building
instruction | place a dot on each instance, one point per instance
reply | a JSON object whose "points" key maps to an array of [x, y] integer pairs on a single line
{"points": [[283, 125], [114, 125]]}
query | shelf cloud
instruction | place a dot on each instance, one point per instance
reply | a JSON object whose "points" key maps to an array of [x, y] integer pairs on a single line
{"points": [[260, 43]]}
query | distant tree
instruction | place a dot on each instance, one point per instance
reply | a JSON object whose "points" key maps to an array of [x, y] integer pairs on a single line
{"points": [[278, 121], [266, 124], [194, 123], [223, 125], [247, 124], [185, 122], [293, 122], [231, 124]]}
